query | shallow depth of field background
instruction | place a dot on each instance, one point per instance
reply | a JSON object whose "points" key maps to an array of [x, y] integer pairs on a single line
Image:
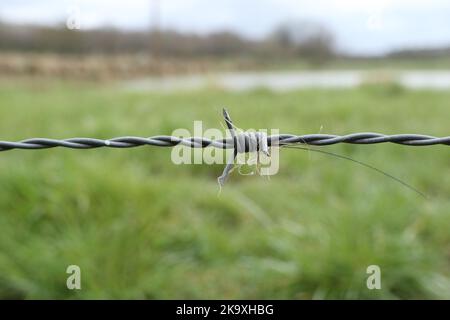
{"points": [[141, 227]]}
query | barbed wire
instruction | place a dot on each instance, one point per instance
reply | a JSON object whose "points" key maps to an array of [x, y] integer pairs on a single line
{"points": [[241, 142], [200, 142]]}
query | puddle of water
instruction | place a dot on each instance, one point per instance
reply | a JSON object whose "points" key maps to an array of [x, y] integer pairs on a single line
{"points": [[283, 81]]}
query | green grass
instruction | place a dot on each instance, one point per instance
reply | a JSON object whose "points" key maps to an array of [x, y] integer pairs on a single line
{"points": [[142, 227]]}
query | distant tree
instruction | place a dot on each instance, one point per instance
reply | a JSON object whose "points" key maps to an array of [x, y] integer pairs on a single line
{"points": [[307, 39]]}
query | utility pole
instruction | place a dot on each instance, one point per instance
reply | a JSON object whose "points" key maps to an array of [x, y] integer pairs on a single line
{"points": [[155, 33]]}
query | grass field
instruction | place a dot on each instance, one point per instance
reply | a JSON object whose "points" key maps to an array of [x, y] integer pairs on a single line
{"points": [[141, 227]]}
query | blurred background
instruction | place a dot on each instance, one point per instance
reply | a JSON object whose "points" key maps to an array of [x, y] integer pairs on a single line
{"points": [[140, 226]]}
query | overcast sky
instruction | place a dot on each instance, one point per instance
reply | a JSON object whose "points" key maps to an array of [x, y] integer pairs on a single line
{"points": [[360, 26]]}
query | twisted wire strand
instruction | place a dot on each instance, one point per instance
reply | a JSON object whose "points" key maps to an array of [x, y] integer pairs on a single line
{"points": [[199, 142]]}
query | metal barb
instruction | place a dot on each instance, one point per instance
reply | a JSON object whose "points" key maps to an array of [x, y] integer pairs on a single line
{"points": [[230, 163]]}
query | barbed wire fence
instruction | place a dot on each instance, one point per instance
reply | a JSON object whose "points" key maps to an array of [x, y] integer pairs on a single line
{"points": [[200, 142], [242, 142]]}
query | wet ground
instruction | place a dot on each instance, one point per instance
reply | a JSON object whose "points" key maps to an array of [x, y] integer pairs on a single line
{"points": [[282, 81]]}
